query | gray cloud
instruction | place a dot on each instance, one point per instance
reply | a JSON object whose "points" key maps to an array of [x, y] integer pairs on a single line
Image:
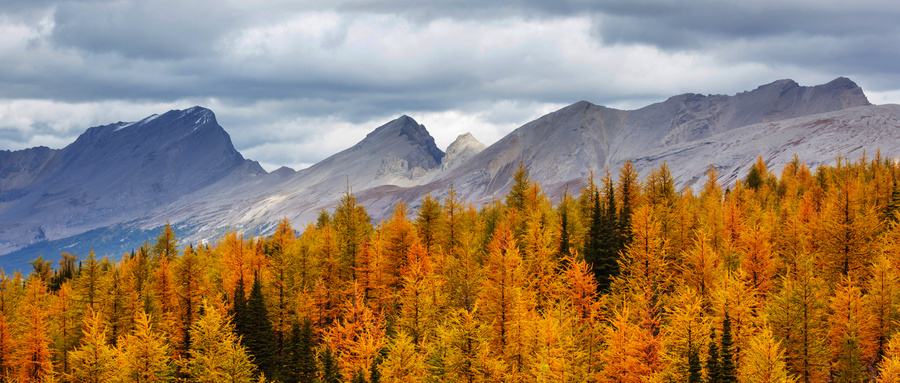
{"points": [[282, 75], [167, 29]]}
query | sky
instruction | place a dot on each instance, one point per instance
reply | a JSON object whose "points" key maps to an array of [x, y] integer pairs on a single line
{"points": [[296, 81]]}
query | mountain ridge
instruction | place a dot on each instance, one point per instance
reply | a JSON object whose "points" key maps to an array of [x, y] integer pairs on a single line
{"points": [[399, 161]]}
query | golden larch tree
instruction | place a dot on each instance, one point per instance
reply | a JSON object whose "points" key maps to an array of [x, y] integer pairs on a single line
{"points": [[94, 361]]}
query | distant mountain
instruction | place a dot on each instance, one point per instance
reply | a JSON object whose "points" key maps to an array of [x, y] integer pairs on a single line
{"points": [[564, 146], [113, 174], [119, 182]]}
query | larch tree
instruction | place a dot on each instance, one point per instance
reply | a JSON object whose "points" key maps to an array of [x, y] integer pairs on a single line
{"points": [[67, 326], [847, 228], [452, 210], [90, 284], [889, 367], [764, 361], [399, 236], [504, 296], [94, 361], [466, 340], [166, 246], [628, 189], [845, 335], [282, 258], [144, 354], [701, 264], [190, 287], [33, 360], [585, 308], [883, 306], [624, 355], [10, 294], [757, 258], [644, 263], [464, 272], [430, 223], [358, 338], [403, 363], [216, 354], [797, 315], [352, 226], [418, 312], [685, 333]]}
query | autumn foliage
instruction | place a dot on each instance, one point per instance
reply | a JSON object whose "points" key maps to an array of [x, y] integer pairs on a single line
{"points": [[777, 278]]}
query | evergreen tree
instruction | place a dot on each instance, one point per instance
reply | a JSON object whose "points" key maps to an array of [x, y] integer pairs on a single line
{"points": [[604, 239], [694, 365], [593, 240], [300, 356], [239, 309], [259, 336], [329, 371], [728, 369], [755, 176], [713, 370]]}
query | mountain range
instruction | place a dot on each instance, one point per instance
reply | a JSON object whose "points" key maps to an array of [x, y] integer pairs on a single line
{"points": [[113, 187]]}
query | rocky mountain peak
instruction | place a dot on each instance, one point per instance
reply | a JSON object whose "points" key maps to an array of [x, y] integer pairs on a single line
{"points": [[462, 149], [464, 142], [425, 153]]}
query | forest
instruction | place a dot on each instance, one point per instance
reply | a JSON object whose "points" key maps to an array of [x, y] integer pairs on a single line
{"points": [[790, 277]]}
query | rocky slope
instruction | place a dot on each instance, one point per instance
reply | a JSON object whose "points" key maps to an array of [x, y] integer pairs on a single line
{"points": [[125, 180], [562, 147], [113, 174]]}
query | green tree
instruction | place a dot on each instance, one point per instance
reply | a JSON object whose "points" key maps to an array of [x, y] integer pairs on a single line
{"points": [[329, 371], [299, 354], [713, 369], [727, 360], [259, 336]]}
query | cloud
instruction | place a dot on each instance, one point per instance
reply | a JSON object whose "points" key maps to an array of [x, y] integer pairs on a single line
{"points": [[293, 82], [157, 30]]}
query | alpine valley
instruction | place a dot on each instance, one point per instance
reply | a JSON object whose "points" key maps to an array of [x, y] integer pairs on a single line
{"points": [[117, 184]]}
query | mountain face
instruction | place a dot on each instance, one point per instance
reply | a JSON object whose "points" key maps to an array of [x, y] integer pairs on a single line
{"points": [[399, 150], [461, 150], [120, 182], [561, 148], [112, 174]]}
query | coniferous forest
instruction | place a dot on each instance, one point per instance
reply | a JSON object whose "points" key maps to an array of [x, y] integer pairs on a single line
{"points": [[790, 277]]}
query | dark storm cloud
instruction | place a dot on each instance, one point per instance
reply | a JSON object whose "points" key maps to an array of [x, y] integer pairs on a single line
{"points": [[168, 29], [285, 71], [853, 38]]}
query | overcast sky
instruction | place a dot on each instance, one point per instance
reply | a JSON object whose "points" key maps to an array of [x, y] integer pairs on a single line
{"points": [[296, 81]]}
